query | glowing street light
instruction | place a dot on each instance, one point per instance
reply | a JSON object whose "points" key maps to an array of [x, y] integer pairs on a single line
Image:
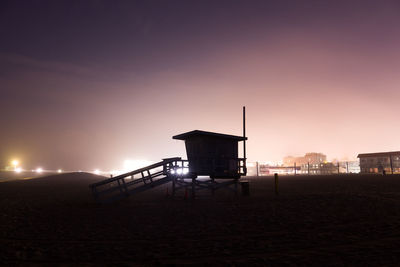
{"points": [[15, 163], [39, 170], [18, 169], [59, 171], [97, 172]]}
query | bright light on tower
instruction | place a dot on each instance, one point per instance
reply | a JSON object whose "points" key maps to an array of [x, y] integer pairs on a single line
{"points": [[39, 170], [15, 163]]}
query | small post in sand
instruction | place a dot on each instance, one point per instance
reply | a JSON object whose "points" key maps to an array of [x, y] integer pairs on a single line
{"points": [[276, 184], [257, 168]]}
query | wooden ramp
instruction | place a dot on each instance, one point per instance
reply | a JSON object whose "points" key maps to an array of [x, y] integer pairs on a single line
{"points": [[140, 180]]}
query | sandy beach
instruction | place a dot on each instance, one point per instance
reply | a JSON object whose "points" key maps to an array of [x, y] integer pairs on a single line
{"points": [[315, 220]]}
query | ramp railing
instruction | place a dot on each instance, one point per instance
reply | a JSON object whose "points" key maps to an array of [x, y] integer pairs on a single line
{"points": [[126, 184]]}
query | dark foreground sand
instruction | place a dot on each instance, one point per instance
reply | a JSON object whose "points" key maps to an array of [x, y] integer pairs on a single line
{"points": [[316, 220]]}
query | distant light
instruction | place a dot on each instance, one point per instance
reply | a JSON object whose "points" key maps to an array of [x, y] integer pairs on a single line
{"points": [[97, 172], [59, 171], [15, 163], [39, 170], [130, 165], [18, 170]]}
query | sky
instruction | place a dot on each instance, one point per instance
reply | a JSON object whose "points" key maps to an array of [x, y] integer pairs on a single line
{"points": [[88, 84]]}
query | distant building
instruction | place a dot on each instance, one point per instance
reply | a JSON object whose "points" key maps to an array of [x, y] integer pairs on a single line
{"points": [[377, 162], [315, 158], [308, 158]]}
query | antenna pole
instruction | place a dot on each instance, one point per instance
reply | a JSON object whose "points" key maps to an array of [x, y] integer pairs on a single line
{"points": [[244, 140]]}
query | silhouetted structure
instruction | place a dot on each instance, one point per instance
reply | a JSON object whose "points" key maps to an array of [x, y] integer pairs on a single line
{"points": [[213, 154], [209, 154]]}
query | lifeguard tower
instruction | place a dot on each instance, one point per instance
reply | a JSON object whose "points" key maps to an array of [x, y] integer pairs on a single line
{"points": [[212, 155]]}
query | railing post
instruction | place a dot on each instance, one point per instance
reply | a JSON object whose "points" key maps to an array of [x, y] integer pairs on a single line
{"points": [[126, 188], [143, 179], [119, 185]]}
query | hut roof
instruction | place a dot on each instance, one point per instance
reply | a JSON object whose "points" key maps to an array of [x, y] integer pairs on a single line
{"points": [[187, 135]]}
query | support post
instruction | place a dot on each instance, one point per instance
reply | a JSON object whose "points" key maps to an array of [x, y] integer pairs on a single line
{"points": [[257, 167], [245, 186], [276, 184], [173, 186], [338, 170], [119, 186], [125, 187], [143, 179], [244, 141], [308, 167], [391, 163], [295, 168], [193, 188], [347, 167]]}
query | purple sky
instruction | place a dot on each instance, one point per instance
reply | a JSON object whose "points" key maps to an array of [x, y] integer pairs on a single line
{"points": [[87, 84]]}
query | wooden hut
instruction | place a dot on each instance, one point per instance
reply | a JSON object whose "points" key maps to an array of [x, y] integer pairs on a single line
{"points": [[213, 154]]}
